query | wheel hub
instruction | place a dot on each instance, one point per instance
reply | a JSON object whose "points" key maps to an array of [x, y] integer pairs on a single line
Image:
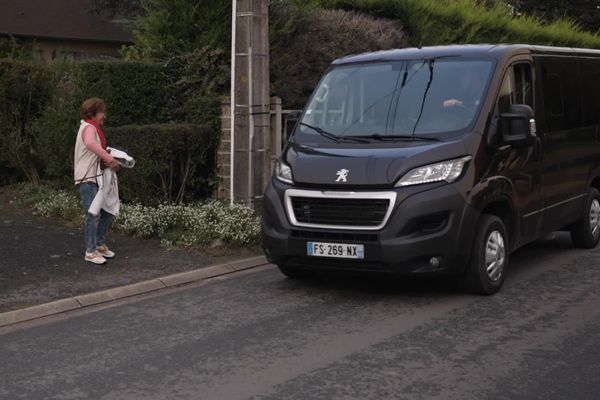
{"points": [[495, 254], [595, 217]]}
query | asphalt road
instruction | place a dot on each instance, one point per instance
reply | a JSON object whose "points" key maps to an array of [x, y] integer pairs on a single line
{"points": [[260, 336]]}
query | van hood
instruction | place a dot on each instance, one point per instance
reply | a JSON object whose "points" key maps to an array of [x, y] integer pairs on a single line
{"points": [[371, 165]]}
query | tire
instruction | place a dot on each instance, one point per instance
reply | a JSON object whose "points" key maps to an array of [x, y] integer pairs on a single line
{"points": [[585, 234], [295, 273], [490, 231]]}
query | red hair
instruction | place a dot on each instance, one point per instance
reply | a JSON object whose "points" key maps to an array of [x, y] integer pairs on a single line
{"points": [[91, 107]]}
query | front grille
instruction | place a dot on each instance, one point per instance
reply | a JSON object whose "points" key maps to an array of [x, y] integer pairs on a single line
{"points": [[340, 212]]}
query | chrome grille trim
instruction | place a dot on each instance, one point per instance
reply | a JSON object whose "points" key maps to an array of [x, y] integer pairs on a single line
{"points": [[326, 194]]}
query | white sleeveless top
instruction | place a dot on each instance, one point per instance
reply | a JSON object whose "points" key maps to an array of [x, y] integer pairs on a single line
{"points": [[85, 161]]}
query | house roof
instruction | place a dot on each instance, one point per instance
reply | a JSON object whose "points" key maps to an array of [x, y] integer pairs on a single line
{"points": [[59, 19]]}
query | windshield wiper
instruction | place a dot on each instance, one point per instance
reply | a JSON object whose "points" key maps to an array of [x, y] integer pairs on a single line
{"points": [[377, 136], [430, 64], [322, 132], [332, 136]]}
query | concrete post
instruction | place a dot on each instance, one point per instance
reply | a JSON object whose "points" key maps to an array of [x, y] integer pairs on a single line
{"points": [[250, 135], [224, 153], [276, 142]]}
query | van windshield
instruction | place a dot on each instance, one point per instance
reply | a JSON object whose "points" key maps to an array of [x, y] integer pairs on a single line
{"points": [[416, 97]]}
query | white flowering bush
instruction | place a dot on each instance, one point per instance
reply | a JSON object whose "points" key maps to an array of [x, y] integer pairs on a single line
{"points": [[216, 220], [59, 204], [190, 225]]}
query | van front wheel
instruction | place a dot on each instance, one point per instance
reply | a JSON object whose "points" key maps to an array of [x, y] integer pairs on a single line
{"points": [[489, 257], [586, 233]]}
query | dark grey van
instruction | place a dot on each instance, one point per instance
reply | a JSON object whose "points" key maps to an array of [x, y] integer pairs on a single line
{"points": [[439, 160]]}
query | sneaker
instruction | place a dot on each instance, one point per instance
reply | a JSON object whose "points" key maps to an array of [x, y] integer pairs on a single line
{"points": [[95, 257], [105, 251]]}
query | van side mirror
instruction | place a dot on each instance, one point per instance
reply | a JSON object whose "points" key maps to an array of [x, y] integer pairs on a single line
{"points": [[518, 126]]}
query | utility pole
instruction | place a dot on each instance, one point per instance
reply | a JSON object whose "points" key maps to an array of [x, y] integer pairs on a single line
{"points": [[250, 102]]}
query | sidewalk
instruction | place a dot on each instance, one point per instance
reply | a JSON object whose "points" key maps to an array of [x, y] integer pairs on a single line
{"points": [[42, 260]]}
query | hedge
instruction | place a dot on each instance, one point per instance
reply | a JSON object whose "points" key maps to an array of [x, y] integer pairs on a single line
{"points": [[176, 157], [320, 36], [322, 30], [134, 92], [174, 162], [434, 22], [24, 92]]}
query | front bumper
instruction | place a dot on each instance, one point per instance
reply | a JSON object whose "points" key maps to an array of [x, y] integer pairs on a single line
{"points": [[424, 223]]}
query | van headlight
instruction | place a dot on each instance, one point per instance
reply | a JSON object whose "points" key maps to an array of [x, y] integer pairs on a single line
{"points": [[283, 172], [448, 171]]}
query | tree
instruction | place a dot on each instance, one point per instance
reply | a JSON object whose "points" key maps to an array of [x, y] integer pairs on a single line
{"points": [[167, 28], [585, 12], [192, 38]]}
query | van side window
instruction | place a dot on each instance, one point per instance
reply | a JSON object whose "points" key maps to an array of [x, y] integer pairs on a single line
{"points": [[517, 88], [590, 75], [523, 84], [562, 94]]}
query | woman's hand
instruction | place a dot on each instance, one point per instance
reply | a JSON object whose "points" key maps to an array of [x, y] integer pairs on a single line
{"points": [[114, 165]]}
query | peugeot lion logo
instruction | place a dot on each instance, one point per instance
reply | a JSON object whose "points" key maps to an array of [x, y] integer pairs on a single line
{"points": [[342, 175]]}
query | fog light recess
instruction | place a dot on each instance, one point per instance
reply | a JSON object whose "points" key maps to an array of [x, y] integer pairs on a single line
{"points": [[435, 262]]}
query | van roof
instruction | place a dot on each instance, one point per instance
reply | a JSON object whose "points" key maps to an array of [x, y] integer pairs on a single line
{"points": [[495, 51]]}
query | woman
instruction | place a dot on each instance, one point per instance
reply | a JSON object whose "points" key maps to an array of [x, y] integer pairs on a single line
{"points": [[90, 154]]}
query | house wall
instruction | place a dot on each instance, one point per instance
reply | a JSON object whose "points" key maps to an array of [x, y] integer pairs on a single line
{"points": [[50, 49], [64, 49]]}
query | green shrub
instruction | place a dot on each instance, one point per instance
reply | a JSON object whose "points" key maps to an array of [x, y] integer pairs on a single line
{"points": [[436, 22], [16, 49], [322, 30], [39, 111], [24, 92], [192, 40], [320, 36], [135, 92], [168, 28], [32, 194], [203, 79], [174, 162], [40, 115]]}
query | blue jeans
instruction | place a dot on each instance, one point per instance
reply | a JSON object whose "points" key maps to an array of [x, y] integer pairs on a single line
{"points": [[95, 226]]}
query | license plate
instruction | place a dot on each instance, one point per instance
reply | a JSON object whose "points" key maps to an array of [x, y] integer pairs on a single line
{"points": [[337, 250]]}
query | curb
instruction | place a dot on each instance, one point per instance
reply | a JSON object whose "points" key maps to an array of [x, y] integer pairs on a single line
{"points": [[120, 292]]}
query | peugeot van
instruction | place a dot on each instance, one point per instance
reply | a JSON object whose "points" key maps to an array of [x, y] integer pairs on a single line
{"points": [[439, 160]]}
